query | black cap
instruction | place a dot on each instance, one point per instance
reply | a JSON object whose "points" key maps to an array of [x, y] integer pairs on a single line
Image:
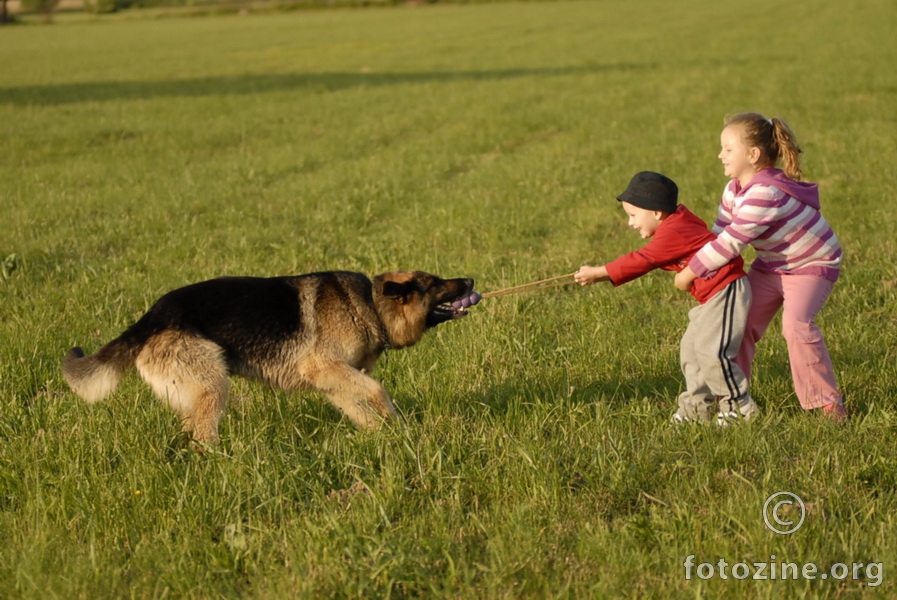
{"points": [[651, 191]]}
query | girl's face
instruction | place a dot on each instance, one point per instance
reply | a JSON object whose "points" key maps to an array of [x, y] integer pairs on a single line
{"points": [[644, 221], [739, 161]]}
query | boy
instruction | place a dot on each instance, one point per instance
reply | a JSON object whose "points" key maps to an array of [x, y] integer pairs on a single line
{"points": [[715, 385]]}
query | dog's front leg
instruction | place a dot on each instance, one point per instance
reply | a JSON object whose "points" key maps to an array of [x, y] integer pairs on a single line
{"points": [[362, 399]]}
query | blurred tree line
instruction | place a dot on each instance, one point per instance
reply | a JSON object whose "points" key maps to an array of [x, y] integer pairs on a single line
{"points": [[46, 7]]}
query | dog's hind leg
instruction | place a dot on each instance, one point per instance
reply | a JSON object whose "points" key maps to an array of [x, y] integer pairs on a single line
{"points": [[190, 374], [360, 398]]}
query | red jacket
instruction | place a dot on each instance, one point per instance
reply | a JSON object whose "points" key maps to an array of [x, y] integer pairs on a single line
{"points": [[675, 242]]}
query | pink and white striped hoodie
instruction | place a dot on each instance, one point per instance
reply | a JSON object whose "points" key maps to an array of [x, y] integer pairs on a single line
{"points": [[780, 218]]}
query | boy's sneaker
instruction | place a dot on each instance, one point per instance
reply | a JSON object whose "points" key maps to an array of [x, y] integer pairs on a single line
{"points": [[745, 412], [749, 411], [698, 417], [724, 419], [678, 419]]}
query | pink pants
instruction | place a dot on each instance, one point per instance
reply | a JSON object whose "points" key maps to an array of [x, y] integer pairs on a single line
{"points": [[802, 297]]}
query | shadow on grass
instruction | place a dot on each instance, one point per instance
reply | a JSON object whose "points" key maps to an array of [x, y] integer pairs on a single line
{"points": [[55, 94]]}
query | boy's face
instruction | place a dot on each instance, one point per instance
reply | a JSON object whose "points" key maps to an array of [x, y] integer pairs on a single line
{"points": [[645, 221]]}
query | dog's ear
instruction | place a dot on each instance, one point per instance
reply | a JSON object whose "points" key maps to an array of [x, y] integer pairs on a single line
{"points": [[396, 291]]}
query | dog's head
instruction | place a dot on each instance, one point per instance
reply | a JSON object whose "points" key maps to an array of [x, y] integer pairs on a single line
{"points": [[411, 302]]}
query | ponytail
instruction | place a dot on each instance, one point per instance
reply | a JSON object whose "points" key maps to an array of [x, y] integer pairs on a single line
{"points": [[773, 137], [789, 151]]}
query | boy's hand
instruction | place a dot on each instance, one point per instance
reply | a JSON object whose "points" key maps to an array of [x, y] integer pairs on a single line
{"points": [[685, 278], [587, 275]]}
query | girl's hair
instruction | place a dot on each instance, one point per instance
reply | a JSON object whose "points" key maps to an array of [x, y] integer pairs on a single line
{"points": [[774, 139]]}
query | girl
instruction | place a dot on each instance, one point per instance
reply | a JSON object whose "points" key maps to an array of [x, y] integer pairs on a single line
{"points": [[798, 255]]}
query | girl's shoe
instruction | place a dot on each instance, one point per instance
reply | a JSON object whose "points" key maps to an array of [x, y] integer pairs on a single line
{"points": [[835, 411]]}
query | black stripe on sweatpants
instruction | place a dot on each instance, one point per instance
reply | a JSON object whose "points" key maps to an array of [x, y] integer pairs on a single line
{"points": [[725, 340]]}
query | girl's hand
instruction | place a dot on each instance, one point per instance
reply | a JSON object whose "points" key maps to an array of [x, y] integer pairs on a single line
{"points": [[685, 278], [588, 275]]}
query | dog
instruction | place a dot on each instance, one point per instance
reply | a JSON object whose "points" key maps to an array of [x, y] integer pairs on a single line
{"points": [[319, 330]]}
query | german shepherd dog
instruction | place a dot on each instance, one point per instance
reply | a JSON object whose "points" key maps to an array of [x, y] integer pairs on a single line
{"points": [[319, 330]]}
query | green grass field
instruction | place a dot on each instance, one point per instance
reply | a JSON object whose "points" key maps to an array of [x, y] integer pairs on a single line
{"points": [[534, 458]]}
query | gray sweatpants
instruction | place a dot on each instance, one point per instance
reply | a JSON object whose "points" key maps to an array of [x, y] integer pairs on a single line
{"points": [[713, 382]]}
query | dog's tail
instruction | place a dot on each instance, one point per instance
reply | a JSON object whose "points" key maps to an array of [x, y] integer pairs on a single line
{"points": [[96, 376]]}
